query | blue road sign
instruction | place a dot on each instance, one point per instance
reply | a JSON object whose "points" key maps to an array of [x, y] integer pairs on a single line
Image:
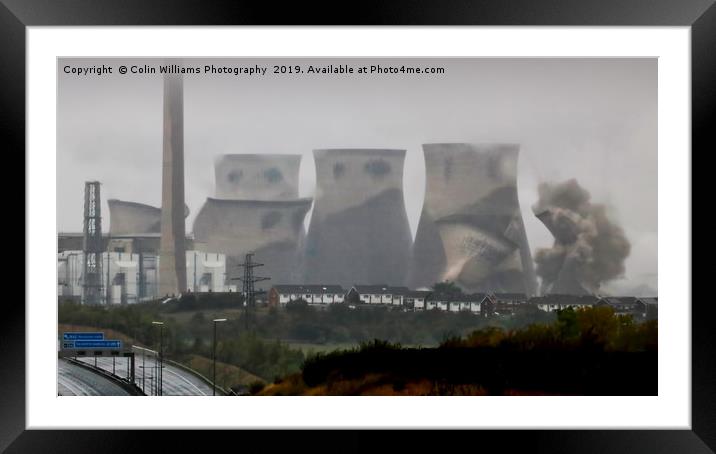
{"points": [[91, 344], [82, 336]]}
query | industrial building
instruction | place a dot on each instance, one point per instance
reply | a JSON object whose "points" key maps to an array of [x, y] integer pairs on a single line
{"points": [[471, 230], [129, 278], [359, 229]]}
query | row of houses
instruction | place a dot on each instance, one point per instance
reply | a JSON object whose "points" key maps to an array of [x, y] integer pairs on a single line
{"points": [[484, 304]]}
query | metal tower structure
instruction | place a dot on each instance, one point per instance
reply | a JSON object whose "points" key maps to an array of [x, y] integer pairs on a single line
{"points": [[92, 246], [248, 279]]}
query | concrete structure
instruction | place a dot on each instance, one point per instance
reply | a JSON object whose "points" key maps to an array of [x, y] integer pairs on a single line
{"points": [[471, 229], [206, 272], [133, 277], [135, 242], [257, 210], [563, 225], [132, 218], [172, 272], [69, 275], [123, 277], [273, 230], [120, 276], [359, 230], [280, 295], [257, 176]]}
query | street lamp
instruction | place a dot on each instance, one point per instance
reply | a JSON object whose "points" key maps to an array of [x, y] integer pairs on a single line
{"points": [[161, 356], [213, 355]]}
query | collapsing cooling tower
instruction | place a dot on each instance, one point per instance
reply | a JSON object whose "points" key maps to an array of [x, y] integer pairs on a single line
{"points": [[589, 248], [471, 230], [130, 218], [359, 230], [271, 229], [257, 210], [257, 176]]}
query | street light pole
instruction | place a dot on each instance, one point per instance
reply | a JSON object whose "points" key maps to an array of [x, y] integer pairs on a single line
{"points": [[161, 357], [161, 360], [213, 354]]}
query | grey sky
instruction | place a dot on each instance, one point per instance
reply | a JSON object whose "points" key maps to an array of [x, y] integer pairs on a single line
{"points": [[591, 119]]}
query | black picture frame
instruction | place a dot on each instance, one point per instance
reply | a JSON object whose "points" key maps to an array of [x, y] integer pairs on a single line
{"points": [[700, 15]]}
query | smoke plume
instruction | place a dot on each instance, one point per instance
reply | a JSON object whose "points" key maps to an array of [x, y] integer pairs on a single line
{"points": [[589, 248]]}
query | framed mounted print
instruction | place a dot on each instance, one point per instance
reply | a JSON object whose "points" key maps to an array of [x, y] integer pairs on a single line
{"points": [[448, 217]]}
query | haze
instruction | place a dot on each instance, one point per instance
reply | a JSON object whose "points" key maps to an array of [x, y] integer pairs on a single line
{"points": [[590, 119]]}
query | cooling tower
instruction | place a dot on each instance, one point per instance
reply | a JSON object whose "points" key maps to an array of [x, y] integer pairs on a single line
{"points": [[129, 218], [271, 229], [359, 230], [257, 176], [471, 230], [563, 224]]}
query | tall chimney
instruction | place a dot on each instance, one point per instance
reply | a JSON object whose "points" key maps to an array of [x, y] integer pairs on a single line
{"points": [[172, 255]]}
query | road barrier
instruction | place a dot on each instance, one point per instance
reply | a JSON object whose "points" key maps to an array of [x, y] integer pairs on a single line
{"points": [[127, 385], [149, 352]]}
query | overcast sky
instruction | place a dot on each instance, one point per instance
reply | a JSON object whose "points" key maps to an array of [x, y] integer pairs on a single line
{"points": [[590, 119]]}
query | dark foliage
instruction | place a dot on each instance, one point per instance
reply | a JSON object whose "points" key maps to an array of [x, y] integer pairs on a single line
{"points": [[584, 352]]}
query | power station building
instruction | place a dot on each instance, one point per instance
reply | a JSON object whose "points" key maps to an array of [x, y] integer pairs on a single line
{"points": [[359, 229], [471, 230], [129, 278]]}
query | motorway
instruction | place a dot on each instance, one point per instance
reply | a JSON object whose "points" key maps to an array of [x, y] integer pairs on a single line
{"points": [[177, 382], [74, 380]]}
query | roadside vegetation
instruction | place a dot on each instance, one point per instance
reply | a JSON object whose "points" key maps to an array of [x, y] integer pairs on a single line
{"points": [[278, 345], [583, 352]]}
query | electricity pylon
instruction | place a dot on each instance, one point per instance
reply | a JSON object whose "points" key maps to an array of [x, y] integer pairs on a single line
{"points": [[249, 280]]}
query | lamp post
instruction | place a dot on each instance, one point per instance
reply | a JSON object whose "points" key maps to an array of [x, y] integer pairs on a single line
{"points": [[161, 356], [213, 355]]}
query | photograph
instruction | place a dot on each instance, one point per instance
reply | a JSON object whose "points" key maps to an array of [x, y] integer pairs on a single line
{"points": [[357, 226], [397, 224]]}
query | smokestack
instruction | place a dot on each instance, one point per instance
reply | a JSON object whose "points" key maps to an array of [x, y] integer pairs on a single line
{"points": [[172, 256]]}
